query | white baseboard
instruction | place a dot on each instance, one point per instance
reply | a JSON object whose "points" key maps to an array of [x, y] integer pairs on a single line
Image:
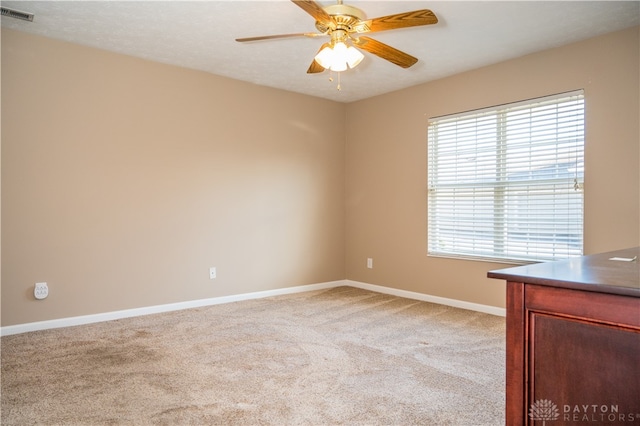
{"points": [[109, 316], [127, 313], [493, 310]]}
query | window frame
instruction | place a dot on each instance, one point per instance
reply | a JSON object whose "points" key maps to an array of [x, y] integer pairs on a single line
{"points": [[504, 188]]}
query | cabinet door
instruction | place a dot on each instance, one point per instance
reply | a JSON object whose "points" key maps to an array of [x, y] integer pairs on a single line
{"points": [[582, 372]]}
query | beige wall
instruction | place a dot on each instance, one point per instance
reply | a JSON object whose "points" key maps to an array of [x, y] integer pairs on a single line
{"points": [[124, 180], [386, 162]]}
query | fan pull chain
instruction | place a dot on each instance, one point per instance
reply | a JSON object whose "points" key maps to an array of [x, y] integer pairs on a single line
{"points": [[339, 87]]}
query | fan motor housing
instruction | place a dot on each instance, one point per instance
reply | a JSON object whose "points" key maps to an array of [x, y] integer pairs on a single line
{"points": [[343, 15]]}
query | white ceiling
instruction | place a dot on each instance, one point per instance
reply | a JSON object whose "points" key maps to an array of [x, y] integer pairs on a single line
{"points": [[201, 35]]}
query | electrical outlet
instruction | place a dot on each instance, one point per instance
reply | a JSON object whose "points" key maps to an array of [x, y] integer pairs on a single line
{"points": [[370, 263], [212, 273], [41, 291]]}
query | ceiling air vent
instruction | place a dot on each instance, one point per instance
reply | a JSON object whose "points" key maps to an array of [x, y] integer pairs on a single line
{"points": [[11, 13]]}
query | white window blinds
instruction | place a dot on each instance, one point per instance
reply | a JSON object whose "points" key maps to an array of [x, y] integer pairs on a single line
{"points": [[506, 183]]}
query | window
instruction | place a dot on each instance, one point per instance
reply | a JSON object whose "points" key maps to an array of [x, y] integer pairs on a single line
{"points": [[506, 183]]}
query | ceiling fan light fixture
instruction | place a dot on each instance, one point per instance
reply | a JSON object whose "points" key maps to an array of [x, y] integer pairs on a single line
{"points": [[339, 57]]}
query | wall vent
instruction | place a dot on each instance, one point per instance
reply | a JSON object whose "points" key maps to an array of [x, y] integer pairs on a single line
{"points": [[12, 13]]}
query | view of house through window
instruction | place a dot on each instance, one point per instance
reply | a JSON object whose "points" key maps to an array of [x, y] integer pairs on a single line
{"points": [[506, 183]]}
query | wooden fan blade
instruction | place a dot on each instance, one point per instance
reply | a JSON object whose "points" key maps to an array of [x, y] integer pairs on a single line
{"points": [[315, 67], [315, 10], [384, 51], [276, 36], [401, 20]]}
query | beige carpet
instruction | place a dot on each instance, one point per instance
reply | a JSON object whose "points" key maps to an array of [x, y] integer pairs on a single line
{"points": [[338, 356]]}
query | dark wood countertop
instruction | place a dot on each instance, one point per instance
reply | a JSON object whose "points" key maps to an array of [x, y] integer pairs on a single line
{"points": [[596, 273]]}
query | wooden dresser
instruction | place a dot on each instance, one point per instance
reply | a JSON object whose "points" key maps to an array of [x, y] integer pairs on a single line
{"points": [[573, 341]]}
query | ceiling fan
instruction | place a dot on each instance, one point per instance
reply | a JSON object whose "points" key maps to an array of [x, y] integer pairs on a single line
{"points": [[344, 24]]}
